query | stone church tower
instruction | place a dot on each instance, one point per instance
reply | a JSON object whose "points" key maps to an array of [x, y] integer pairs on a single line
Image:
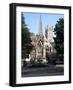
{"points": [[39, 43], [40, 31], [49, 35]]}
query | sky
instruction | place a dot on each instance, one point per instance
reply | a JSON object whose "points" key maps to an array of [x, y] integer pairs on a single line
{"points": [[32, 20]]}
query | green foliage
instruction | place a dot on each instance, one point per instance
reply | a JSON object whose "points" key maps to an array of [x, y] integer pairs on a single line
{"points": [[26, 41], [59, 39]]}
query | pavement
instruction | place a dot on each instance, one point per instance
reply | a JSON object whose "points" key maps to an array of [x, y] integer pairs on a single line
{"points": [[51, 70]]}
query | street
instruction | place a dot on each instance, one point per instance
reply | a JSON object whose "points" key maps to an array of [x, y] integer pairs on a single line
{"points": [[42, 71]]}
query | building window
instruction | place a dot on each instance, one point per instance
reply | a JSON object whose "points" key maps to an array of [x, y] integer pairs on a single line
{"points": [[50, 49], [53, 49]]}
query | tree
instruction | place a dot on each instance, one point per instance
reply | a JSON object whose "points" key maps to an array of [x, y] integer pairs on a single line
{"points": [[59, 39], [26, 41]]}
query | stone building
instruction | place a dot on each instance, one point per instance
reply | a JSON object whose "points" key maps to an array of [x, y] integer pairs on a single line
{"points": [[42, 44]]}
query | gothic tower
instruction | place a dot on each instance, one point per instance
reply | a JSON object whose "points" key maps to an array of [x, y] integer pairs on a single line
{"points": [[40, 32], [39, 43]]}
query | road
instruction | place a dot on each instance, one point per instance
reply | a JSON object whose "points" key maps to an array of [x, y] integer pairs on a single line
{"points": [[42, 71]]}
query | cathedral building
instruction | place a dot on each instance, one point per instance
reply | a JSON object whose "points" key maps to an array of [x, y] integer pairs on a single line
{"points": [[43, 44]]}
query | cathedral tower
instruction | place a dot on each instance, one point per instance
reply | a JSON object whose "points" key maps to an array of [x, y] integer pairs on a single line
{"points": [[40, 32]]}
